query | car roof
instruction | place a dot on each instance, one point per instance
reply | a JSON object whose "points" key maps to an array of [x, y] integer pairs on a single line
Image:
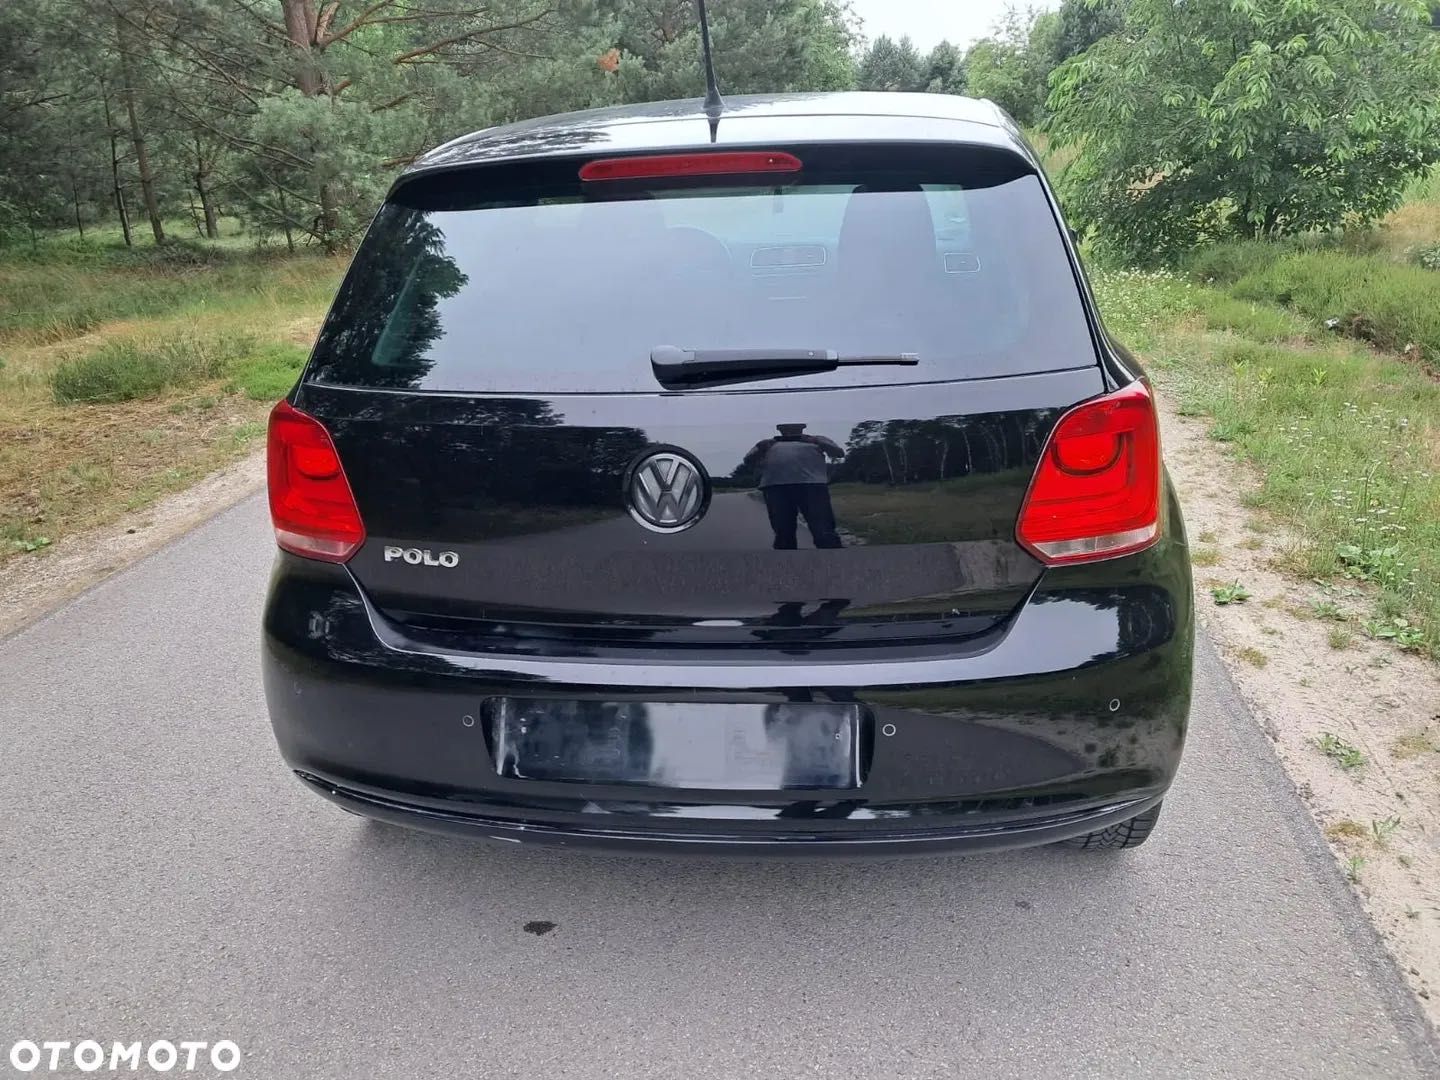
{"points": [[747, 120]]}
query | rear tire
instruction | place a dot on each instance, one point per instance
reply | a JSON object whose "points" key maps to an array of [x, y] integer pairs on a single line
{"points": [[1127, 834]]}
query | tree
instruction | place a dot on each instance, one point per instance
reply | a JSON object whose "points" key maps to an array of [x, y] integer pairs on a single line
{"points": [[892, 65], [1256, 117], [296, 114], [1081, 24], [761, 46], [945, 70], [51, 173], [127, 48], [319, 98], [1011, 66]]}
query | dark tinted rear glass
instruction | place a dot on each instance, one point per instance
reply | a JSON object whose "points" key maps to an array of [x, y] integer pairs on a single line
{"points": [[482, 281]]}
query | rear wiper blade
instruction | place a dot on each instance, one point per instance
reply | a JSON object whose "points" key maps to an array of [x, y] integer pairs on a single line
{"points": [[674, 366]]}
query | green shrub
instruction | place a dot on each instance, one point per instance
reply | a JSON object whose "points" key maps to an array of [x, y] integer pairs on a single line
{"points": [[125, 371], [1428, 257], [268, 373]]}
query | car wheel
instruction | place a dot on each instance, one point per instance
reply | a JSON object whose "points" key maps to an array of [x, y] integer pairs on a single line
{"points": [[1126, 834]]}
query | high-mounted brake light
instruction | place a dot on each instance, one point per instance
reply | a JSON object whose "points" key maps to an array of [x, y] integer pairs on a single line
{"points": [[311, 504], [714, 163], [1096, 492]]}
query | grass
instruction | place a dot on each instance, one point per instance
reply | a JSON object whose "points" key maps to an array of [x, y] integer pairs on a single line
{"points": [[1415, 227], [1381, 829], [1414, 744], [267, 373], [1253, 656], [1204, 556], [1259, 322], [1345, 829], [1340, 751], [1346, 438], [127, 371], [126, 374], [64, 290], [1372, 297]]}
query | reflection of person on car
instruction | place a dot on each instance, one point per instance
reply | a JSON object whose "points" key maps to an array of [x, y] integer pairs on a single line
{"points": [[795, 480]]}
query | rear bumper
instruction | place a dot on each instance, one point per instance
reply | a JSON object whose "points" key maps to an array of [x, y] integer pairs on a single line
{"points": [[995, 834], [1074, 719]]}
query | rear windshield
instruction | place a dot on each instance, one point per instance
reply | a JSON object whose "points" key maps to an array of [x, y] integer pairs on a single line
{"points": [[537, 283]]}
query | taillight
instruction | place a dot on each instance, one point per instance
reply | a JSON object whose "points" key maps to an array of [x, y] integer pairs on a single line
{"points": [[311, 504], [1096, 491], [707, 163]]}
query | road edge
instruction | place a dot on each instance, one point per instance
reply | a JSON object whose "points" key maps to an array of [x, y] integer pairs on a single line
{"points": [[34, 586], [1400, 1002]]}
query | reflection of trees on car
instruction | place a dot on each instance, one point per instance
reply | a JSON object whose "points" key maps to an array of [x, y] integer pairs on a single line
{"points": [[499, 453], [898, 452], [387, 317]]}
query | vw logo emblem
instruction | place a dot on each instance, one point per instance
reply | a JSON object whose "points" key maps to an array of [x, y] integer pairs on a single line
{"points": [[667, 491]]}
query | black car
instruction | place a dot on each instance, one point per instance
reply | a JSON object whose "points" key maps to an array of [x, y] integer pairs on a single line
{"points": [[757, 484]]}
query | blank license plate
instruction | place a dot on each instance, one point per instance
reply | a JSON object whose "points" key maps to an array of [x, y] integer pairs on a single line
{"points": [[727, 747]]}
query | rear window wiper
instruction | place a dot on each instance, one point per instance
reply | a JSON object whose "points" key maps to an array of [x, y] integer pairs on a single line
{"points": [[674, 366]]}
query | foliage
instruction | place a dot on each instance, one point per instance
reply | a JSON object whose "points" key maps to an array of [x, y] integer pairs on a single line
{"points": [[945, 70], [1384, 565], [897, 65], [769, 46], [1233, 593], [1344, 754], [1397, 630], [1011, 66], [1081, 24], [1429, 257], [1202, 120], [891, 65]]}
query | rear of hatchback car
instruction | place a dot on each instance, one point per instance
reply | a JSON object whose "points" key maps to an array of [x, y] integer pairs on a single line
{"points": [[781, 493]]}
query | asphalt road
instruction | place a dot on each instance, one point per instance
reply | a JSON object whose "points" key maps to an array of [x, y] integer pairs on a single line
{"points": [[162, 876]]}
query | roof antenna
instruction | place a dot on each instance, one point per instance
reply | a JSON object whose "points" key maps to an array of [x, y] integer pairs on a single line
{"points": [[714, 104]]}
